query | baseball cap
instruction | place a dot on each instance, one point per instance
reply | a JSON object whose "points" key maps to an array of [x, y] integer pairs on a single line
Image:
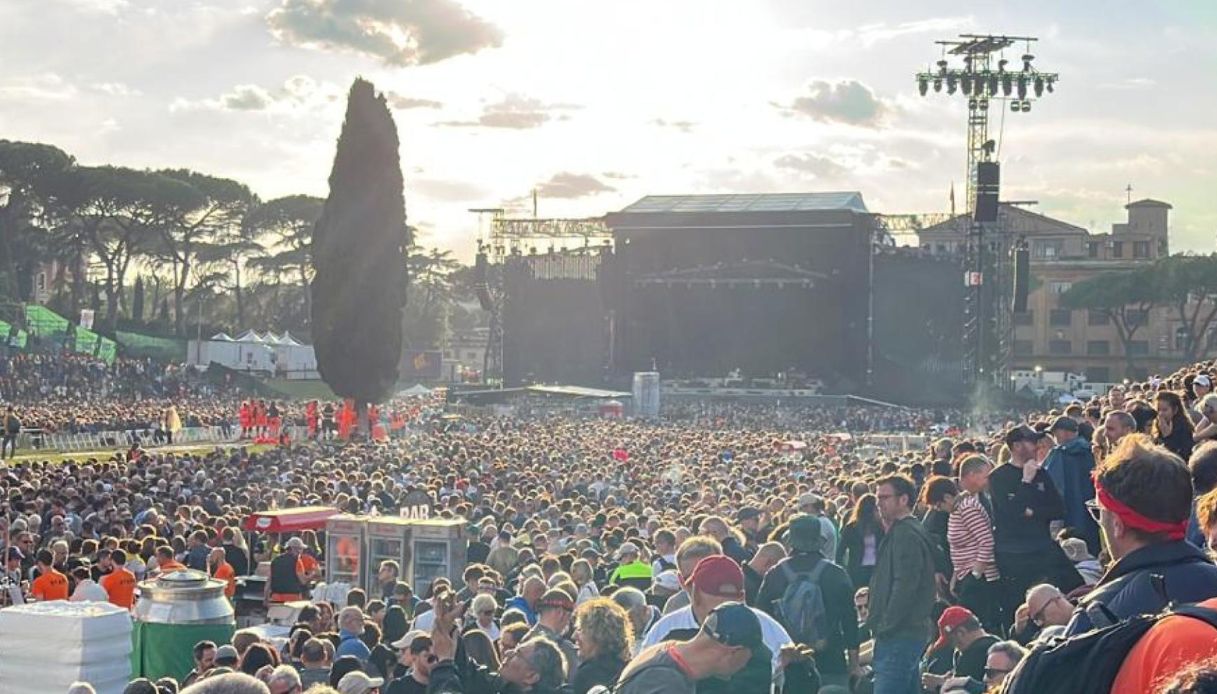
{"points": [[808, 500], [1064, 423], [950, 619], [747, 514], [1203, 380], [669, 580], [404, 642], [227, 654], [14, 554], [627, 548], [356, 682], [804, 533], [718, 575], [1022, 432], [733, 624]]}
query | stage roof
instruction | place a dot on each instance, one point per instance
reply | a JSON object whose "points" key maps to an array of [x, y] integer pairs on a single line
{"points": [[764, 202], [578, 392]]}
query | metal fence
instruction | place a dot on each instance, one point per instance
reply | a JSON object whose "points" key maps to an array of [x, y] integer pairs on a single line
{"points": [[107, 440]]}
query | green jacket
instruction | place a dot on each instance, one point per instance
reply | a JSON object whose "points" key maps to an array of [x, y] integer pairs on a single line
{"points": [[902, 589]]}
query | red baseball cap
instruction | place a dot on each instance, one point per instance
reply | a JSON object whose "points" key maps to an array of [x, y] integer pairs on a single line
{"points": [[718, 575], [951, 618]]}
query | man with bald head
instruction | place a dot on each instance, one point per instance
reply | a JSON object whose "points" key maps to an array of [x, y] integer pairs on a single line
{"points": [[1047, 608], [530, 594]]}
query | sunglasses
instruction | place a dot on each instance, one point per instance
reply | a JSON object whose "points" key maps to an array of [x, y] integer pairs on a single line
{"points": [[1038, 617], [992, 673], [1093, 508]]}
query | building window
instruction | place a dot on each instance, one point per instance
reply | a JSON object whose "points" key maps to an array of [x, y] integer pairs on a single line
{"points": [[1140, 249], [1138, 348], [1136, 319], [1059, 287], [1022, 348], [1026, 318], [1092, 249], [1098, 374], [1047, 249], [1094, 317], [940, 249], [1138, 373], [1098, 348], [1117, 249], [1059, 347], [1060, 316]]}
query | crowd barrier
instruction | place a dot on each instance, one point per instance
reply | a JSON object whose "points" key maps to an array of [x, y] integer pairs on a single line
{"points": [[896, 442], [105, 440]]}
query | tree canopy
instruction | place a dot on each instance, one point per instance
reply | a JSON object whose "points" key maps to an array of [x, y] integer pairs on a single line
{"points": [[359, 254]]}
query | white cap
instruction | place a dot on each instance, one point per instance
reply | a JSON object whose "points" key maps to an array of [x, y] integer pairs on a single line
{"points": [[295, 543], [627, 548], [356, 682], [404, 642], [668, 580]]}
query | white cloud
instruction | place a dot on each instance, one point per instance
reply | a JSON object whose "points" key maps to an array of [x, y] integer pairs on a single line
{"points": [[847, 101], [116, 89], [572, 185], [297, 93], [47, 86], [103, 6], [683, 126], [398, 32], [514, 112]]}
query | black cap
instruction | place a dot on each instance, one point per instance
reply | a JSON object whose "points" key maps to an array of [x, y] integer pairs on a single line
{"points": [[14, 554], [1023, 432], [1064, 423], [747, 513]]}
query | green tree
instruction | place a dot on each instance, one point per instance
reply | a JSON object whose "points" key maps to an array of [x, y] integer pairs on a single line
{"points": [[359, 254], [286, 224], [1125, 297], [222, 205], [1188, 285], [29, 175]]}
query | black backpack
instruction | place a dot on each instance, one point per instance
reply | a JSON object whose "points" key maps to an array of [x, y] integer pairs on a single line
{"points": [[1088, 663], [801, 608]]}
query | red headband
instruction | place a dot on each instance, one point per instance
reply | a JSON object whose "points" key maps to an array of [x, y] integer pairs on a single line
{"points": [[1133, 519]]}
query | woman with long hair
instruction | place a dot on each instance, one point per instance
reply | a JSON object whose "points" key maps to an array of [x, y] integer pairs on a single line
{"points": [[603, 633], [480, 649], [384, 657], [860, 538], [1173, 428]]}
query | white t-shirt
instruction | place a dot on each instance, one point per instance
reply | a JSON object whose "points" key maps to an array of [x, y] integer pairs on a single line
{"points": [[88, 591], [772, 633]]}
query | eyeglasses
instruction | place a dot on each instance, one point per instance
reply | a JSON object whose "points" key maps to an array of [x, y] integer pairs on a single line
{"points": [[992, 673], [1093, 508], [1038, 617]]}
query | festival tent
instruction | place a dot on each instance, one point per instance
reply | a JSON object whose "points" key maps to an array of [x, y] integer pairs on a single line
{"points": [[414, 391]]}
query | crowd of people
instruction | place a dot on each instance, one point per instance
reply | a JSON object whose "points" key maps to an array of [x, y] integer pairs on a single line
{"points": [[694, 553]]}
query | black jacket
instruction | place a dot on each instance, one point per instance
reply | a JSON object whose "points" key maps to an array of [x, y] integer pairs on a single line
{"points": [[852, 544], [838, 592], [599, 670], [1127, 588], [1015, 532]]}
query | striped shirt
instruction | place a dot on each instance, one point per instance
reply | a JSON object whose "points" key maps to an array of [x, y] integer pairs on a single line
{"points": [[970, 534]]}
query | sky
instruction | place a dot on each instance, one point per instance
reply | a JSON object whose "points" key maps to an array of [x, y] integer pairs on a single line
{"points": [[596, 104]]}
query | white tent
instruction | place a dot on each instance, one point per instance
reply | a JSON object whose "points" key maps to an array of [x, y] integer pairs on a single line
{"points": [[251, 336], [414, 391], [221, 337]]}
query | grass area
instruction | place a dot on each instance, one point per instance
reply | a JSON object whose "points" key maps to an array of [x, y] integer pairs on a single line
{"points": [[81, 456], [301, 390]]}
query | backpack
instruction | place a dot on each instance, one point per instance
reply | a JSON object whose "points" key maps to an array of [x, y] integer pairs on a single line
{"points": [[801, 607], [1088, 663]]}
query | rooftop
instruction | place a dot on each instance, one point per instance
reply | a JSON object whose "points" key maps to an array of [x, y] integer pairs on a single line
{"points": [[762, 202]]}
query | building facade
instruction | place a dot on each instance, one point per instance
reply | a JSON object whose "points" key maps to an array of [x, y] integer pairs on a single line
{"points": [[1055, 338]]}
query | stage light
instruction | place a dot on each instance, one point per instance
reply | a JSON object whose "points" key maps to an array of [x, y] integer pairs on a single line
{"points": [[1039, 86], [1049, 86], [942, 67], [965, 83], [984, 104], [992, 84], [972, 104], [923, 85], [1001, 65], [1022, 87], [937, 84], [1026, 106], [1007, 84], [1027, 58], [951, 84], [1014, 106]]}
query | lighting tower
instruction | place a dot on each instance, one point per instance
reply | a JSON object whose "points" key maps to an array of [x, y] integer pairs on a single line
{"points": [[983, 74], [981, 79]]}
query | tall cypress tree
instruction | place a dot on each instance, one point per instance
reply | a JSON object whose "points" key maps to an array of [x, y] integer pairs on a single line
{"points": [[359, 253]]}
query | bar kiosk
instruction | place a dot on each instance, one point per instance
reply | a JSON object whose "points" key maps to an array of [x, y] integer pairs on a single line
{"points": [[438, 547], [345, 558], [388, 538]]}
